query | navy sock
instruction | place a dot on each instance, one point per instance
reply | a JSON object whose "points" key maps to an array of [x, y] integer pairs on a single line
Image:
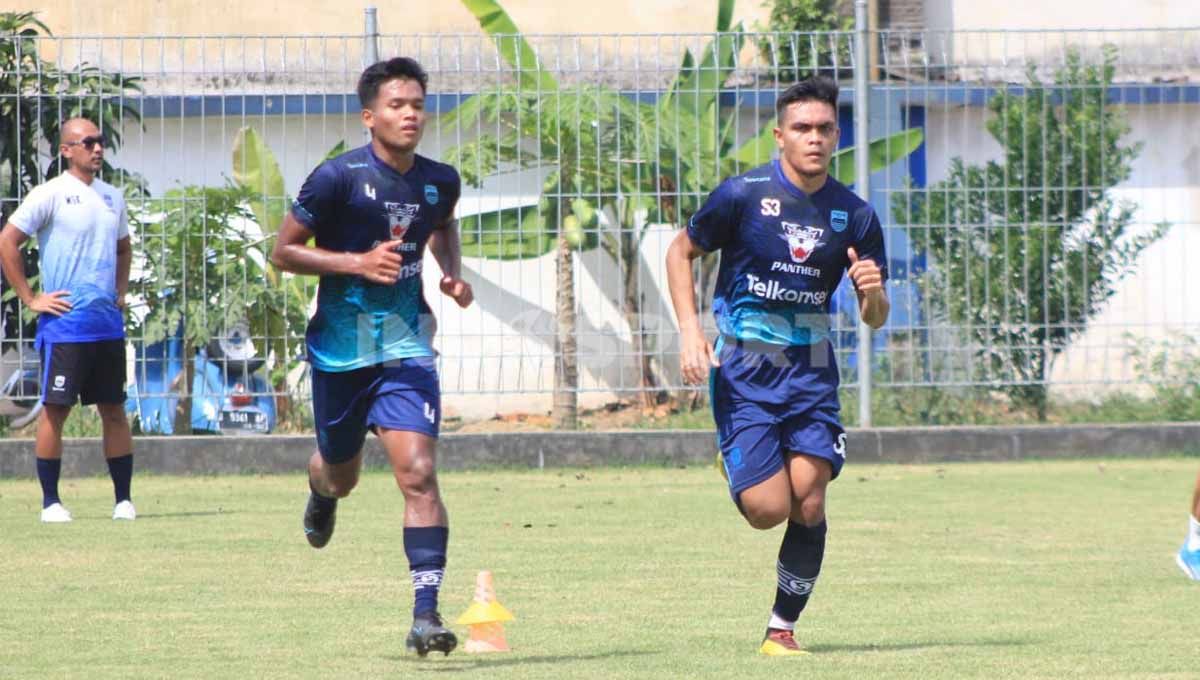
{"points": [[121, 471], [426, 551], [323, 502], [48, 470], [799, 564]]}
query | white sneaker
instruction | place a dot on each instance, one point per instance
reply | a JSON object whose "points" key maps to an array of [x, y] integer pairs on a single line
{"points": [[124, 510], [56, 514]]}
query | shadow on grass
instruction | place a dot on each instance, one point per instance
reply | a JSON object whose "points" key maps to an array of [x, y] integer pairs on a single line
{"points": [[481, 662], [909, 646]]}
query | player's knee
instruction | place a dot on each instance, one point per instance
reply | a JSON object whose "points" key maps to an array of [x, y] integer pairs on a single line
{"points": [[339, 483], [111, 416], [419, 478], [55, 415], [340, 488], [811, 509], [767, 517]]}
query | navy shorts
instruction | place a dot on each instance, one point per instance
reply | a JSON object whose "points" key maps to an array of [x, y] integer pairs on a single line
{"points": [[399, 395], [88, 372], [769, 402]]}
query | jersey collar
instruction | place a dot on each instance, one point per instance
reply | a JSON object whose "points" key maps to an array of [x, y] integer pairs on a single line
{"points": [[385, 168], [792, 188]]}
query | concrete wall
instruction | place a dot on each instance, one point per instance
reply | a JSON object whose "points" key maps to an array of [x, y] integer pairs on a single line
{"points": [[310, 17], [939, 14], [943, 15], [1069, 14], [287, 454], [902, 14]]}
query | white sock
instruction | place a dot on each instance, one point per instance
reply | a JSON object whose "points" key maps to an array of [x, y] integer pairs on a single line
{"points": [[1193, 539], [779, 623]]}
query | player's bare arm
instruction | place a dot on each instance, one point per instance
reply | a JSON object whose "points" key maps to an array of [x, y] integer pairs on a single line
{"points": [[56, 302], [873, 304], [124, 261], [696, 354], [293, 254], [446, 248]]}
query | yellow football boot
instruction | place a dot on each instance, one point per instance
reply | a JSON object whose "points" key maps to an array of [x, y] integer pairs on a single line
{"points": [[780, 642]]}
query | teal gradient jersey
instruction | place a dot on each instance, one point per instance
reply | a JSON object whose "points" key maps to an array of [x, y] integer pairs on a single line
{"points": [[352, 203], [783, 253]]}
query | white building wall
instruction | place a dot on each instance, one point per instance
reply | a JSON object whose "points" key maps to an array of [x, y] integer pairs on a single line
{"points": [[1066, 15]]}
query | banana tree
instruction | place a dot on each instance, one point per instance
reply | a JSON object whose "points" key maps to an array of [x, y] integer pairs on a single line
{"points": [[572, 135], [636, 163], [256, 172]]}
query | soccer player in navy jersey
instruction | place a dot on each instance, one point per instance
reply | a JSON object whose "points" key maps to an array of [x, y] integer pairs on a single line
{"points": [[786, 231], [372, 213]]}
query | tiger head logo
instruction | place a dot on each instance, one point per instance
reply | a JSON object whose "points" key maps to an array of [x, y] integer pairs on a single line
{"points": [[801, 240]]}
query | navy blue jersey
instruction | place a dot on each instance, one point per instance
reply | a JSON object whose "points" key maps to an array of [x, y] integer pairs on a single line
{"points": [[352, 203], [783, 253]]}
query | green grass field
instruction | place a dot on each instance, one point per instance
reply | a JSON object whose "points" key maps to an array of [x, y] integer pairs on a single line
{"points": [[1016, 570]]}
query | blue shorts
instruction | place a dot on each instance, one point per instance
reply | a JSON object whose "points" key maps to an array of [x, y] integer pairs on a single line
{"points": [[399, 395], [771, 401]]}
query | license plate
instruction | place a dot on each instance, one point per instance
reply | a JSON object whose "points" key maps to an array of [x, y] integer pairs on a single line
{"points": [[243, 421]]}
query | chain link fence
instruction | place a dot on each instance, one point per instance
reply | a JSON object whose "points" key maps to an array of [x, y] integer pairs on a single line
{"points": [[1040, 193]]}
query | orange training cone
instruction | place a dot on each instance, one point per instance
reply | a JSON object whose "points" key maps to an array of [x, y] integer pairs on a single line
{"points": [[483, 619]]}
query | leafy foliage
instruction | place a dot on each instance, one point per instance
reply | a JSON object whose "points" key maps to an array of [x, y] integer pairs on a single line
{"points": [[1026, 250], [801, 39], [36, 96], [257, 175], [205, 266]]}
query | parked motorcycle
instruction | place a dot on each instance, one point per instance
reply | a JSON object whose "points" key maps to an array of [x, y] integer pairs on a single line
{"points": [[20, 365], [230, 390]]}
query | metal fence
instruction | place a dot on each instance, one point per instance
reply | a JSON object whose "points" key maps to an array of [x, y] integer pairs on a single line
{"points": [[1038, 220]]}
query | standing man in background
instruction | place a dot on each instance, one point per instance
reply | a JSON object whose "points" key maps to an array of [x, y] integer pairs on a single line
{"points": [[84, 256], [372, 212]]}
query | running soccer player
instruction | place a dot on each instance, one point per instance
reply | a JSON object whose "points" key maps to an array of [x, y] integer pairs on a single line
{"points": [[372, 212], [84, 255], [1188, 558], [786, 231]]}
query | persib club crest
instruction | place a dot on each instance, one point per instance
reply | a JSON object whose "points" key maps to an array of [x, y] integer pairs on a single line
{"points": [[838, 219], [400, 216], [801, 240], [431, 194]]}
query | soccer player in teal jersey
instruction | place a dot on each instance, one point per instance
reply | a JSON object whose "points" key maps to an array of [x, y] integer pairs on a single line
{"points": [[372, 213], [1188, 558], [787, 233]]}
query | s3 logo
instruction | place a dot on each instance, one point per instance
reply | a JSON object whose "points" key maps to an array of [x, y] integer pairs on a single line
{"points": [[770, 207]]}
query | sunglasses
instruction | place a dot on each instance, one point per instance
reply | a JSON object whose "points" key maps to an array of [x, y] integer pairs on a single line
{"points": [[89, 143]]}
